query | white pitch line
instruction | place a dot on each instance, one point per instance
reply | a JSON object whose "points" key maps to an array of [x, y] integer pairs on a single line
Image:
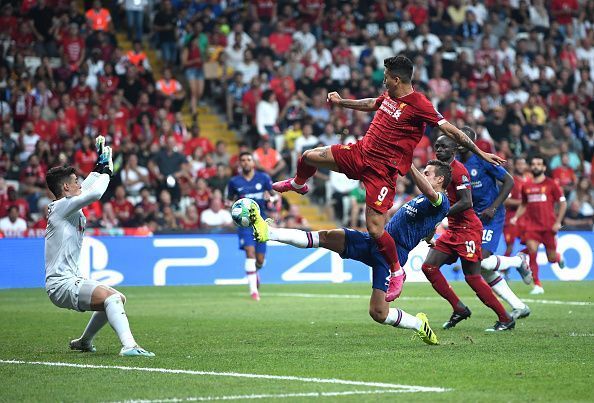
{"points": [[355, 296], [232, 375], [271, 396], [553, 302]]}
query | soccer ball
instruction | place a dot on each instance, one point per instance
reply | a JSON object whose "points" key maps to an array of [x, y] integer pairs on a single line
{"points": [[240, 212]]}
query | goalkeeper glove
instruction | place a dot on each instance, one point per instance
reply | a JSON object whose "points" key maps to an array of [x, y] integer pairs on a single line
{"points": [[104, 159]]}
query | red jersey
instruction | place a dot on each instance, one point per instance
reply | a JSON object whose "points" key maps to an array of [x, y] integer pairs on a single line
{"points": [[123, 210], [85, 160], [110, 83], [461, 180], [516, 193], [201, 142], [397, 128], [564, 176], [265, 8], [81, 94], [540, 199], [312, 9], [73, 48], [565, 8], [201, 199]]}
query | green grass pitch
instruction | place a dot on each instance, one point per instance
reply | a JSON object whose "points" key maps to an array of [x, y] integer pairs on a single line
{"points": [[296, 332]]}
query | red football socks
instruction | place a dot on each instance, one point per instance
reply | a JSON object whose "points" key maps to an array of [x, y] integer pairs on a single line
{"points": [[485, 294], [387, 248], [441, 285], [304, 172], [534, 268]]}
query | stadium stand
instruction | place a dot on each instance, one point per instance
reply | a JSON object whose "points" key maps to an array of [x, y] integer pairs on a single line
{"points": [[179, 87]]}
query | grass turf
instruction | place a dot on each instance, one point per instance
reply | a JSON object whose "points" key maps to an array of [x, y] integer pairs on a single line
{"points": [[549, 356]]}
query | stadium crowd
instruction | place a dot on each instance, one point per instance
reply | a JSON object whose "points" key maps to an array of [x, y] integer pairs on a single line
{"points": [[520, 72]]}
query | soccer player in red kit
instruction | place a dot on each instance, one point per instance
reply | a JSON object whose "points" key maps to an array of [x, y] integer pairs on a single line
{"points": [[537, 217], [462, 239], [385, 151], [521, 176]]}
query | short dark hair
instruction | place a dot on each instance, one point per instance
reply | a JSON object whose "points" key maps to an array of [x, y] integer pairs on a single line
{"points": [[245, 153], [442, 169], [401, 67], [56, 177], [537, 157]]}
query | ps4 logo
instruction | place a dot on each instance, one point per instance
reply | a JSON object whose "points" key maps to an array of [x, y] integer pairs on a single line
{"points": [[94, 258]]}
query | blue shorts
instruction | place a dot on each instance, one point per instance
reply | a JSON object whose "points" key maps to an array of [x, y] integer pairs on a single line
{"points": [[246, 238], [194, 73], [361, 247], [492, 232]]}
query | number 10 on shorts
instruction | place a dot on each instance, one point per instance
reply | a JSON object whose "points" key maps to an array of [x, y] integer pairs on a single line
{"points": [[470, 246]]}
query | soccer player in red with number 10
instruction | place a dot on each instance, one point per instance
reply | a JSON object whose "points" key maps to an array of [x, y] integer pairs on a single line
{"points": [[385, 151]]}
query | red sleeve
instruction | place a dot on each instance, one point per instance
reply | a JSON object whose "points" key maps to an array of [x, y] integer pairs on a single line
{"points": [[460, 178], [427, 113], [524, 196], [379, 100]]}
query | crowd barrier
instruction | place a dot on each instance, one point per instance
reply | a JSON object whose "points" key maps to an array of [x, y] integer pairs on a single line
{"points": [[216, 259]]}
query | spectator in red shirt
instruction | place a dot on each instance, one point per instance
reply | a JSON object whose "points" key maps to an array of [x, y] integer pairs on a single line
{"points": [[8, 22], [264, 11], [81, 92], [94, 214], [280, 41], [85, 157], [201, 195], [14, 200], [564, 11], [72, 47], [209, 170], [251, 98], [418, 12], [191, 219], [197, 141], [38, 228], [122, 208], [564, 175]]}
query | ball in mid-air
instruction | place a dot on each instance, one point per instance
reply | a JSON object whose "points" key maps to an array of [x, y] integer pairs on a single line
{"points": [[240, 212]]}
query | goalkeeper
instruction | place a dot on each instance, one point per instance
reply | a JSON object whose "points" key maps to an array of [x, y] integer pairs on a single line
{"points": [[63, 241]]}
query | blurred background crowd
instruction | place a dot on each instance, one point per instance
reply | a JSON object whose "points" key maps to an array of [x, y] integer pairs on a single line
{"points": [[520, 72]]}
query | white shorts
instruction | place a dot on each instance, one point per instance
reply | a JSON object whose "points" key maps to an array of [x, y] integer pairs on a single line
{"points": [[74, 293]]}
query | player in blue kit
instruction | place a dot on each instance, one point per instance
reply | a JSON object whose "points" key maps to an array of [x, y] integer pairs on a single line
{"points": [[255, 185], [413, 222], [487, 201]]}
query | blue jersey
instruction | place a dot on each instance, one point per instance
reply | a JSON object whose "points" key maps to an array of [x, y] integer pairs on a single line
{"points": [[411, 223], [483, 178], [254, 189], [416, 219]]}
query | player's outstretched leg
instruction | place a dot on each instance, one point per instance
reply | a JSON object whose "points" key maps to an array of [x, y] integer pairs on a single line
{"points": [[425, 333], [502, 263], [381, 312], [85, 342], [112, 303], [264, 232], [298, 183], [501, 288]]}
